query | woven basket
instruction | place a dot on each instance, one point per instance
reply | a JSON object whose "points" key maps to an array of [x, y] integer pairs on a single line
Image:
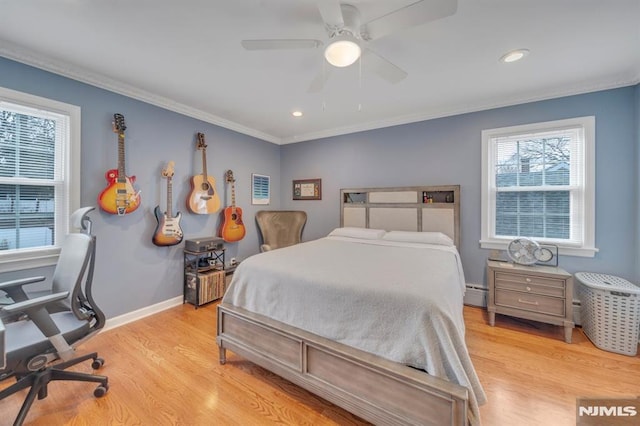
{"points": [[610, 312]]}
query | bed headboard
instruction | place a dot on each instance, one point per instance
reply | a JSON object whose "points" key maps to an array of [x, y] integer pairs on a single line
{"points": [[409, 208]]}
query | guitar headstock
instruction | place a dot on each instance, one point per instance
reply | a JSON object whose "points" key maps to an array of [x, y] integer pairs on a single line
{"points": [[201, 142], [118, 123], [167, 172], [229, 176]]}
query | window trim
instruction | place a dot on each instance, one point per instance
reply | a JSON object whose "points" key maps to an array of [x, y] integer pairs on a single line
{"points": [[490, 241], [42, 257]]}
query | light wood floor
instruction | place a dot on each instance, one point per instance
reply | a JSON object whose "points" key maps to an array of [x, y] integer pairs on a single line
{"points": [[163, 370]]}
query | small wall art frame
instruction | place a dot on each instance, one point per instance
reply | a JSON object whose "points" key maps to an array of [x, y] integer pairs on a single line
{"points": [[307, 189], [260, 189]]}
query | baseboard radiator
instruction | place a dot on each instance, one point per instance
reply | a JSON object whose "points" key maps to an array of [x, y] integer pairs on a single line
{"points": [[576, 312], [475, 295]]}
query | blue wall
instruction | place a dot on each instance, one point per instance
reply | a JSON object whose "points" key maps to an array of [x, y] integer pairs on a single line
{"points": [[447, 151], [131, 272]]}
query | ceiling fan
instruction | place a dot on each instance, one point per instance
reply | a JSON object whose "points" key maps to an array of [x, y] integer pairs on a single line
{"points": [[347, 36]]}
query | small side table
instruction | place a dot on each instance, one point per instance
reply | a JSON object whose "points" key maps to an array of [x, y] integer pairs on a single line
{"points": [[538, 293]]}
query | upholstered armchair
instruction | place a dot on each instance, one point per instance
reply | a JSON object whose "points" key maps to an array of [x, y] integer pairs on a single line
{"points": [[280, 228]]}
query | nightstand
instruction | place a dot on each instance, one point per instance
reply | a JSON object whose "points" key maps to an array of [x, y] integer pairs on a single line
{"points": [[539, 293]]}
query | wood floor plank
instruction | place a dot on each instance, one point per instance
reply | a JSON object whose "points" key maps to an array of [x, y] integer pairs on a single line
{"points": [[164, 370]]}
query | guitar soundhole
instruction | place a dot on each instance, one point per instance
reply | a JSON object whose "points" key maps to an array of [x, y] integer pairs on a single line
{"points": [[205, 186], [234, 216]]}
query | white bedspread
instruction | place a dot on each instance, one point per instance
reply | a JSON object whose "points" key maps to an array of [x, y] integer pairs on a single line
{"points": [[401, 301]]}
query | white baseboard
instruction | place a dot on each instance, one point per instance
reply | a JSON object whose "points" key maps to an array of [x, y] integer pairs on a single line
{"points": [[475, 295], [141, 313]]}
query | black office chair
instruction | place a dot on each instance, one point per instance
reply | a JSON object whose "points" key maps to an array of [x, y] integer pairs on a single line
{"points": [[42, 343]]}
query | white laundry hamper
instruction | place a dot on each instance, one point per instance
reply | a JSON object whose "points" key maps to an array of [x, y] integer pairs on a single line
{"points": [[610, 312]]}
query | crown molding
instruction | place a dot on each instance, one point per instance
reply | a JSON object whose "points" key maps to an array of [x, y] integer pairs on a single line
{"points": [[44, 62], [483, 106]]}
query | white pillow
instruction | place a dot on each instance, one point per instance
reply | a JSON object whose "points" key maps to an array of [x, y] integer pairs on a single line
{"points": [[362, 233], [419, 237]]}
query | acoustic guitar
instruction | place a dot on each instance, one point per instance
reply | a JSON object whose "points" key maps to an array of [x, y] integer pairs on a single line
{"points": [[232, 226], [203, 198], [119, 197], [168, 231]]}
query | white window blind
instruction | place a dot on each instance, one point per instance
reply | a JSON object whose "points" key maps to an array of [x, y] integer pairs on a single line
{"points": [[36, 190], [537, 182]]}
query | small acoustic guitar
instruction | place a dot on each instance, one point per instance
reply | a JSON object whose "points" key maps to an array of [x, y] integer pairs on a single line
{"points": [[168, 231], [203, 198], [232, 226], [119, 197]]}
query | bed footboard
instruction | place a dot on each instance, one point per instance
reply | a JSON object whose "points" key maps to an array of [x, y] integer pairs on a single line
{"points": [[375, 389]]}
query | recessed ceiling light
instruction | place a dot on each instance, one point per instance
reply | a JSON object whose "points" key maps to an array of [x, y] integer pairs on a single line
{"points": [[514, 55], [297, 113]]}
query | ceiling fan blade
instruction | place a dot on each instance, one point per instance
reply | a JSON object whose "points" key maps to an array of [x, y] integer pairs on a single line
{"points": [[318, 82], [331, 13], [414, 14], [379, 65], [275, 44]]}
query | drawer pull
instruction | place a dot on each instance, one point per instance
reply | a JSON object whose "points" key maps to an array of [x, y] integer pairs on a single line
{"points": [[528, 288], [528, 280], [527, 302]]}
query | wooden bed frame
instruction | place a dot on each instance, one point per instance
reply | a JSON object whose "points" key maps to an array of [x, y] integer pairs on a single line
{"points": [[378, 390], [371, 387]]}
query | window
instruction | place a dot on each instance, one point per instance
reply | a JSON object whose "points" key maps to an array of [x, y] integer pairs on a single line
{"points": [[39, 178], [538, 181]]}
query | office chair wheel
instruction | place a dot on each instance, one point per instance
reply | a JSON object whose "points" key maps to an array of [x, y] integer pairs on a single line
{"points": [[97, 363], [101, 390]]}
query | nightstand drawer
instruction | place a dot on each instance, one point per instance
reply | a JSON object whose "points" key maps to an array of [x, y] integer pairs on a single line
{"points": [[529, 279], [527, 284], [530, 302]]}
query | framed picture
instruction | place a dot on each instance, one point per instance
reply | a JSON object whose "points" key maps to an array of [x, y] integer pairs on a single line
{"points": [[260, 189], [307, 189]]}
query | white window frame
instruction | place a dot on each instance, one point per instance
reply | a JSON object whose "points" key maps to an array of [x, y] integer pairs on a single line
{"points": [[488, 239], [20, 259]]}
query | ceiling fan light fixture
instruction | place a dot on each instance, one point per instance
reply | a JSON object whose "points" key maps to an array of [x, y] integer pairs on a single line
{"points": [[343, 50]]}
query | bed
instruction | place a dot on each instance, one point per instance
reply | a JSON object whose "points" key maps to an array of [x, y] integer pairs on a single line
{"points": [[357, 318]]}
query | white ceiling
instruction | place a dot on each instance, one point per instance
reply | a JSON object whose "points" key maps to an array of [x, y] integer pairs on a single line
{"points": [[186, 56]]}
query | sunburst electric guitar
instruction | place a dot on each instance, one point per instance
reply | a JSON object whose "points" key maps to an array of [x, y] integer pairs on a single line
{"points": [[203, 198], [168, 231], [119, 197], [232, 228]]}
